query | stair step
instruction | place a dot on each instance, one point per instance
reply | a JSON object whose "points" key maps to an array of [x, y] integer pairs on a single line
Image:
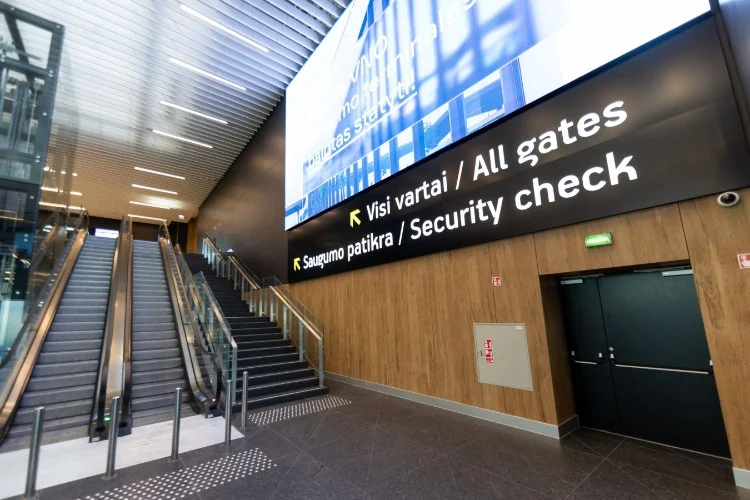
{"points": [[265, 360], [32, 399], [58, 369], [275, 367], [154, 388], [71, 345], [160, 400], [55, 410], [278, 376], [247, 352], [245, 343], [285, 397], [73, 356], [141, 376], [59, 382], [52, 425], [259, 390], [160, 354]]}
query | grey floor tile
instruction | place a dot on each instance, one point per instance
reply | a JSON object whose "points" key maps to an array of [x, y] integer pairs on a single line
{"points": [[400, 411], [365, 409], [722, 466], [309, 479], [349, 456], [266, 439], [334, 426], [539, 463], [299, 429], [609, 482], [474, 483], [592, 441], [432, 481], [673, 488], [671, 464], [392, 456]]}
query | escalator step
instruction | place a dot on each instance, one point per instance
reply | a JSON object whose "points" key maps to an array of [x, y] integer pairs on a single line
{"points": [[51, 396]]}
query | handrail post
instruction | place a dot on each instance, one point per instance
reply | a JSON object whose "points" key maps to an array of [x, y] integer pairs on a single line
{"points": [[272, 306], [228, 416], [244, 400], [285, 329], [320, 362], [260, 300], [176, 424], [114, 424], [34, 451], [301, 340]]}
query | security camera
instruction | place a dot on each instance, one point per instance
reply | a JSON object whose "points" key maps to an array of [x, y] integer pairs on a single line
{"points": [[728, 199]]}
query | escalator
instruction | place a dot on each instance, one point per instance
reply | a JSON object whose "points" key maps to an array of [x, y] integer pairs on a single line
{"points": [[157, 361], [64, 377]]}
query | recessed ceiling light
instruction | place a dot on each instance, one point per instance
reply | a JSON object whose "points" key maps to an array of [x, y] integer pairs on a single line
{"points": [[207, 74], [76, 193], [51, 189], [46, 169], [74, 174], [193, 112], [63, 172], [181, 216], [149, 205], [183, 139], [154, 189], [141, 169], [223, 28], [145, 217]]}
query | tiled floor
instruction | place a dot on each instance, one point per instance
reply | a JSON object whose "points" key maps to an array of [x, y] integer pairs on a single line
{"points": [[379, 447]]}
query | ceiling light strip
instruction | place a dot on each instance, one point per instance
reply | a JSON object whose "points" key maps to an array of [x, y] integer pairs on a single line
{"points": [[141, 169], [193, 112], [205, 73], [223, 28], [149, 205], [153, 189], [146, 217], [183, 139]]}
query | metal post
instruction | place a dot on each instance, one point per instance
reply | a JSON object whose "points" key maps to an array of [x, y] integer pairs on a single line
{"points": [[320, 362], [285, 329], [36, 443], [272, 305], [114, 424], [228, 415], [301, 344], [260, 300], [244, 400], [176, 424]]}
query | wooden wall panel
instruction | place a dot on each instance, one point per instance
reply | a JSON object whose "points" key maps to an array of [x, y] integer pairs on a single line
{"points": [[715, 236], [410, 324], [192, 236], [644, 237]]}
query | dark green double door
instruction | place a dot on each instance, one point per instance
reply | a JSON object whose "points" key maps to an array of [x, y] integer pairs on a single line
{"points": [[640, 360]]}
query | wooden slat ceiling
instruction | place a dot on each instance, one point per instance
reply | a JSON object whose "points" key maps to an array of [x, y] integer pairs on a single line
{"points": [[123, 59]]}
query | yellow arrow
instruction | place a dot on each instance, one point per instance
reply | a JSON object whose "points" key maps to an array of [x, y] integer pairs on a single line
{"points": [[353, 217], [296, 264]]}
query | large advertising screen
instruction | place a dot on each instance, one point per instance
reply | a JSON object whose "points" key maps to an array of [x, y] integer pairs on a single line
{"points": [[395, 81]]}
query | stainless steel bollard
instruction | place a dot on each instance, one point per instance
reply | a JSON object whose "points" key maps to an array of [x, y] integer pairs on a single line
{"points": [[114, 427], [176, 424], [244, 400], [228, 415], [36, 443]]}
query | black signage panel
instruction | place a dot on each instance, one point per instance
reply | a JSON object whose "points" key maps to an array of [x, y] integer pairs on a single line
{"points": [[660, 127]]}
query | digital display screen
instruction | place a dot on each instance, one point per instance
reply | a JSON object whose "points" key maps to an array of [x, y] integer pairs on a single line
{"points": [[395, 81]]}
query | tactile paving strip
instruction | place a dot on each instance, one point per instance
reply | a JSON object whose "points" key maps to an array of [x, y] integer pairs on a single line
{"points": [[189, 481], [296, 410]]}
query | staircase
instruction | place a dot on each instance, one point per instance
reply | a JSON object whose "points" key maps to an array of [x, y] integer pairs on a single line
{"points": [[64, 377], [275, 373], [157, 367]]}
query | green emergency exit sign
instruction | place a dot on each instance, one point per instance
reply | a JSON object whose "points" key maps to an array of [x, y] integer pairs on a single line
{"points": [[598, 240]]}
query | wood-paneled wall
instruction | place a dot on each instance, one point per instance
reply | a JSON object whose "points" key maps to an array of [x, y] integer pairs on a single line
{"points": [[409, 324]]}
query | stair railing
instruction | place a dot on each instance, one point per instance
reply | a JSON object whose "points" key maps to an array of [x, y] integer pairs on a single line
{"points": [[56, 267], [271, 297], [195, 353]]}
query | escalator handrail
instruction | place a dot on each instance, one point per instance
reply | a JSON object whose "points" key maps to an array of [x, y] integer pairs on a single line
{"points": [[193, 298], [34, 333], [113, 377], [200, 394]]}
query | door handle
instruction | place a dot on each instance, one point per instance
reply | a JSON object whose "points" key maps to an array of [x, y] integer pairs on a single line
{"points": [[673, 370], [580, 362]]}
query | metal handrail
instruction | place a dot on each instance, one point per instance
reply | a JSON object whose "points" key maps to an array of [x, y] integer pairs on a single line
{"points": [[186, 327], [114, 376], [191, 292], [29, 342], [240, 275]]}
